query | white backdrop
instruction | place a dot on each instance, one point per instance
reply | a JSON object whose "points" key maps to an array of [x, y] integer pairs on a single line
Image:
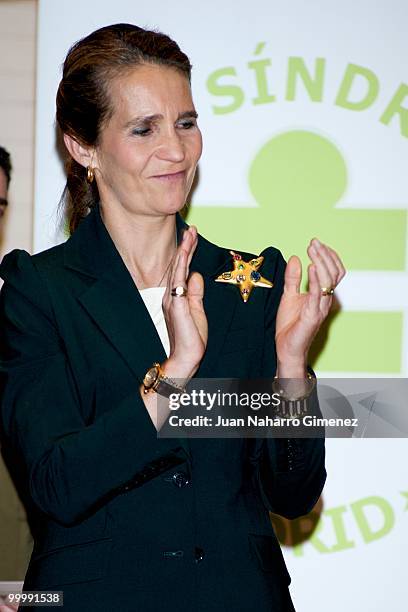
{"points": [[364, 523]]}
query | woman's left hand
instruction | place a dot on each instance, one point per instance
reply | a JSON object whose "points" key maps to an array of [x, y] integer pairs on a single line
{"points": [[300, 315]]}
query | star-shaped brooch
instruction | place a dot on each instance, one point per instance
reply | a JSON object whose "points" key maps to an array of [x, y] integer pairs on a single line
{"points": [[245, 274]]}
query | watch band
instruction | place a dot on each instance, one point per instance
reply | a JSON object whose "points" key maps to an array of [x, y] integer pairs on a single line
{"points": [[155, 380], [167, 386]]}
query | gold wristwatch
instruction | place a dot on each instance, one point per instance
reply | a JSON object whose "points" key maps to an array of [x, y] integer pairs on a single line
{"points": [[155, 380]]}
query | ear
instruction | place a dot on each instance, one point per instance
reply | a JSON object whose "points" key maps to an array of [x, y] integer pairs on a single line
{"points": [[82, 154]]}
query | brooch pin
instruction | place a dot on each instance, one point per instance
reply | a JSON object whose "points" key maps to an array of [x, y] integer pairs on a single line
{"points": [[245, 274]]}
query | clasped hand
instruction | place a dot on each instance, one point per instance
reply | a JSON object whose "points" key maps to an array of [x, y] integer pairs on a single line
{"points": [[299, 316]]}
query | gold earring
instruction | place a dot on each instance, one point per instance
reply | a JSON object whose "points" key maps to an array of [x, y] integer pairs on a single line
{"points": [[90, 175]]}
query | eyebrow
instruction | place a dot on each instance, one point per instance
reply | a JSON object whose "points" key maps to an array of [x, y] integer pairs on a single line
{"points": [[152, 118], [3, 202]]}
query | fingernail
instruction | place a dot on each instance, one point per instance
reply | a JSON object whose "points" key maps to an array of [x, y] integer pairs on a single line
{"points": [[317, 242]]}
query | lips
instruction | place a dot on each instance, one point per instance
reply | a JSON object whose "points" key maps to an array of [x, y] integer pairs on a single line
{"points": [[174, 176]]}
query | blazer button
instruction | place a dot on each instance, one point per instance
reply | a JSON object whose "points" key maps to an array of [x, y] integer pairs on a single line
{"points": [[180, 479], [173, 553], [198, 554]]}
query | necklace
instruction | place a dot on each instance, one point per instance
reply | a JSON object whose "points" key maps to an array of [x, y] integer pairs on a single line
{"points": [[168, 265]]}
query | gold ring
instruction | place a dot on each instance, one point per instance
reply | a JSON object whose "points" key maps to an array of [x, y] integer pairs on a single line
{"points": [[179, 291], [327, 291]]}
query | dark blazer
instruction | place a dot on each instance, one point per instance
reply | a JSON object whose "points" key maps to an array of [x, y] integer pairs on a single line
{"points": [[127, 520]]}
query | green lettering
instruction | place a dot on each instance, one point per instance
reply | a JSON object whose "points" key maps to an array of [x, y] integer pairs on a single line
{"points": [[395, 108], [352, 72], [261, 81], [217, 89], [336, 515], [313, 84], [369, 535]]}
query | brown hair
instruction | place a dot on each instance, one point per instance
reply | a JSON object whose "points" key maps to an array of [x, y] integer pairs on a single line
{"points": [[83, 104], [5, 164]]}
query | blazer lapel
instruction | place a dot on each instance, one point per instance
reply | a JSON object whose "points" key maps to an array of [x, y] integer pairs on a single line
{"points": [[112, 299], [115, 304]]}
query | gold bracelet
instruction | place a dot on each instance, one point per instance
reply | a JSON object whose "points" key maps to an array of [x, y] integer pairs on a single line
{"points": [[293, 407], [276, 388]]}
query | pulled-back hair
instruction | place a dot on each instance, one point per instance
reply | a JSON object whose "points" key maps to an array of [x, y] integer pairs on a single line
{"points": [[83, 103]]}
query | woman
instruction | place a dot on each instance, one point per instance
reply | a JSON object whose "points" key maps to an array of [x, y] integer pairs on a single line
{"points": [[128, 520]]}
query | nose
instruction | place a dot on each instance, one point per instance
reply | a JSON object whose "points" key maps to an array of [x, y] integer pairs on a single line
{"points": [[171, 147]]}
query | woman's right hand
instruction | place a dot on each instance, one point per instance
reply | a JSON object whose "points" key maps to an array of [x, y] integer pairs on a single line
{"points": [[185, 316]]}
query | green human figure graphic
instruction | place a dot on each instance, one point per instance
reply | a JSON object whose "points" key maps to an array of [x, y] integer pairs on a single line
{"points": [[297, 178]]}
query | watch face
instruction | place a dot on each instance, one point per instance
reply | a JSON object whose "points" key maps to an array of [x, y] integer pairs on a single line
{"points": [[150, 377]]}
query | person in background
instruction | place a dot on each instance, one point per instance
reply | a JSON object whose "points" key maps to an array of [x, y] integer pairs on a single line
{"points": [[5, 175], [15, 539]]}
